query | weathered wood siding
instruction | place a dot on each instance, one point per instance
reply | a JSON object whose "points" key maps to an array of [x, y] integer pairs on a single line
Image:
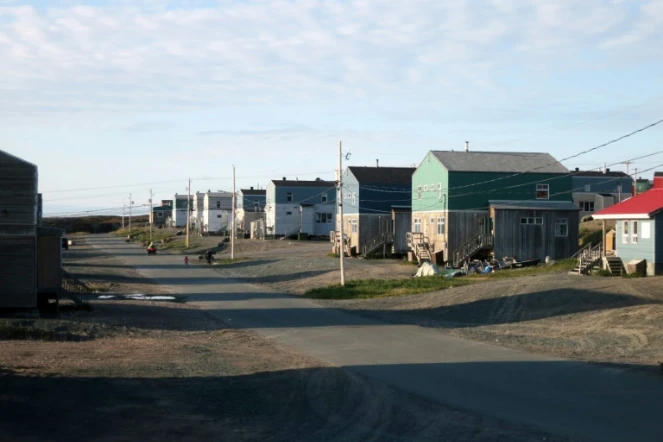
{"points": [[18, 196], [18, 271], [402, 222], [461, 226], [534, 241], [49, 260]]}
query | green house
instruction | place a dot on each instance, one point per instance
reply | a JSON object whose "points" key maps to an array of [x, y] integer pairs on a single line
{"points": [[517, 204]]}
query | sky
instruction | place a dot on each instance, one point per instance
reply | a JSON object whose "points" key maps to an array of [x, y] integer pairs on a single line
{"points": [[115, 97]]}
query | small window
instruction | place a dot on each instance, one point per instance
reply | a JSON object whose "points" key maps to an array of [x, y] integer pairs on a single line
{"points": [[425, 187], [634, 233], [288, 213], [218, 204], [542, 191], [523, 220], [625, 232], [288, 197], [354, 226], [532, 221], [330, 218], [588, 187], [323, 198], [159, 214], [354, 199], [218, 216], [418, 192], [562, 227], [417, 225], [432, 187], [432, 220], [440, 226]]}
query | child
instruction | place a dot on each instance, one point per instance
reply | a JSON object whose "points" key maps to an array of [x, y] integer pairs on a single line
{"points": [[186, 260]]}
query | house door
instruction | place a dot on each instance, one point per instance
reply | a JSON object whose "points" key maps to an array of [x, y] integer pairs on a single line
{"points": [[308, 221]]}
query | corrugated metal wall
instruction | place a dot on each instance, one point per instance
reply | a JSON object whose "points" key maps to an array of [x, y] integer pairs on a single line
{"points": [[534, 241]]}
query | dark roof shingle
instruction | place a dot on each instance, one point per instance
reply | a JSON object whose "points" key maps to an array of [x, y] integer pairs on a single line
{"points": [[383, 175], [516, 162], [297, 183], [255, 192]]}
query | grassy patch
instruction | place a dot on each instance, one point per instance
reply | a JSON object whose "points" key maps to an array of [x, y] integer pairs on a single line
{"points": [[10, 331], [376, 288], [564, 265], [333, 255]]}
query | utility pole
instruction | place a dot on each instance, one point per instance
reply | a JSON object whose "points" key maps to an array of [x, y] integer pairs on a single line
{"points": [[151, 215], [188, 212], [628, 163], [232, 232], [635, 182], [123, 206], [340, 211], [130, 204]]}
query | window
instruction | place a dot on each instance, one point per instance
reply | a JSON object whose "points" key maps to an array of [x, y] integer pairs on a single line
{"points": [[354, 198], [562, 227], [432, 187], [323, 198], [625, 232], [418, 192], [586, 206], [425, 187], [432, 221], [325, 218], [417, 225], [634, 233], [542, 191], [440, 226], [218, 204], [330, 218], [218, 216], [531, 221], [288, 197], [588, 187], [159, 214], [354, 226], [288, 213]]}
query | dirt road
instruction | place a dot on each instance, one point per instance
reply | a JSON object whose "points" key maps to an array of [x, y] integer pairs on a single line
{"points": [[136, 370]]}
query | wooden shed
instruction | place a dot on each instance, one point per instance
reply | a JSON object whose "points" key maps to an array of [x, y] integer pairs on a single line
{"points": [[18, 232]]}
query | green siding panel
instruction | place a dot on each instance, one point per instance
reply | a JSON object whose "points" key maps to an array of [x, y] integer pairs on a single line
{"points": [[430, 172]]}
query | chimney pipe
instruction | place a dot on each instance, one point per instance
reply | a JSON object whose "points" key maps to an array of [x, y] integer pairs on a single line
{"points": [[377, 162], [251, 187], [467, 146], [283, 178], [577, 169]]}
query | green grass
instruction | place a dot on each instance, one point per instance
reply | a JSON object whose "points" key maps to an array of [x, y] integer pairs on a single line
{"points": [[561, 266], [377, 288]]}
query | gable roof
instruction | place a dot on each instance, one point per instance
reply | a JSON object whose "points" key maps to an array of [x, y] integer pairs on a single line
{"points": [[383, 175], [297, 183], [515, 162], [642, 206], [255, 192]]}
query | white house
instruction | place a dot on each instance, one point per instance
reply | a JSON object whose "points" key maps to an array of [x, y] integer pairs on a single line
{"points": [[180, 208], [217, 211]]}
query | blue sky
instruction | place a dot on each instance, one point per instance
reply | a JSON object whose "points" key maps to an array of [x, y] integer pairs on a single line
{"points": [[112, 93]]}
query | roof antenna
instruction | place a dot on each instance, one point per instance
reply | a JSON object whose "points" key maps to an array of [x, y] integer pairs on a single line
{"points": [[377, 162], [467, 146]]}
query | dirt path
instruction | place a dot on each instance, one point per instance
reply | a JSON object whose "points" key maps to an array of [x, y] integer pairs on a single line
{"points": [[137, 370]]}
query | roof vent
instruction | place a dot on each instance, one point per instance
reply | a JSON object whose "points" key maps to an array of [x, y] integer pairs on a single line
{"points": [[283, 178], [577, 169], [251, 187], [467, 146], [607, 170], [377, 162]]}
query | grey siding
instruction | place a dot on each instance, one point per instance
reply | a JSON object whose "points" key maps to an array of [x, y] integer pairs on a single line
{"points": [[370, 226], [535, 241], [402, 221], [461, 226], [644, 249], [18, 278], [350, 190], [18, 195]]}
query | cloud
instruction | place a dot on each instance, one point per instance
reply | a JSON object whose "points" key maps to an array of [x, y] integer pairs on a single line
{"points": [[181, 55]]}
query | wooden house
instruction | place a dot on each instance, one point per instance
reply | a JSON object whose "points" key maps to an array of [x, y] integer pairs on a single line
{"points": [[465, 204], [250, 207], [639, 227], [376, 208], [293, 206], [597, 190], [18, 232]]}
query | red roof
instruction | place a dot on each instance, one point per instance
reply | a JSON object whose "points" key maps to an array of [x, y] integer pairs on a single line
{"points": [[643, 205]]}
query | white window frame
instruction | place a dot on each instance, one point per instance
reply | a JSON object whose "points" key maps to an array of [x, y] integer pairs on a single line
{"points": [[561, 222], [354, 199], [588, 187], [440, 225], [625, 231], [354, 226], [323, 197], [531, 221], [419, 192], [432, 187], [543, 188], [634, 232], [417, 225], [425, 187], [289, 197]]}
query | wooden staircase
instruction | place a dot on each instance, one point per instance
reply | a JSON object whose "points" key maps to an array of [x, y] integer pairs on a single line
{"points": [[420, 246], [614, 265], [472, 246], [588, 258]]}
